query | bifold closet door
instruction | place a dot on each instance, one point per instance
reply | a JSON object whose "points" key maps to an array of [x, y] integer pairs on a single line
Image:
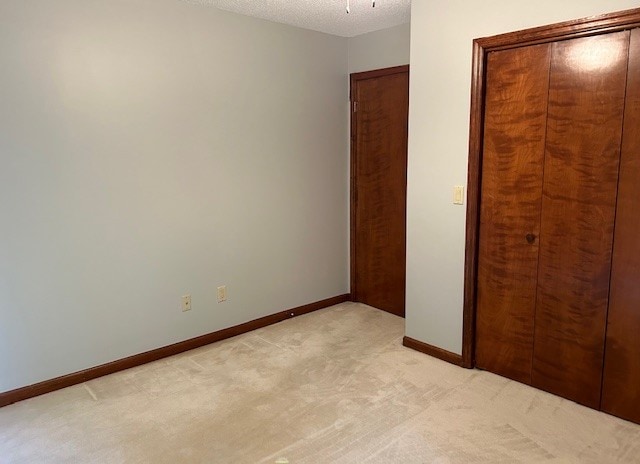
{"points": [[513, 156], [584, 128], [621, 385]]}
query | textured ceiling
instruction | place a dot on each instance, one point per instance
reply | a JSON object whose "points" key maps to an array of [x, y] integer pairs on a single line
{"points": [[327, 16]]}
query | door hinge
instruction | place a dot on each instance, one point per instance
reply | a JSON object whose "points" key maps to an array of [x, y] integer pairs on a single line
{"points": [[355, 106]]}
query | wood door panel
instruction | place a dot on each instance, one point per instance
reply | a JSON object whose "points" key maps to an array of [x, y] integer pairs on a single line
{"points": [[586, 102], [513, 156], [380, 168], [621, 383]]}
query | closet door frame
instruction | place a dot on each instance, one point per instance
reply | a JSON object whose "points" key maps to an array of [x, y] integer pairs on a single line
{"points": [[593, 25]]}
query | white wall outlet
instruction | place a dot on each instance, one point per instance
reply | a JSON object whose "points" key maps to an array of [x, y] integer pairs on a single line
{"points": [[186, 303], [222, 293], [458, 195]]}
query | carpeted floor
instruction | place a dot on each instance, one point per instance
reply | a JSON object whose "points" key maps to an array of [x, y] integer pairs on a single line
{"points": [[334, 386]]}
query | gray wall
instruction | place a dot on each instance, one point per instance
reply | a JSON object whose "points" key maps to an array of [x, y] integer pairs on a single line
{"points": [[380, 49], [441, 39], [150, 149]]}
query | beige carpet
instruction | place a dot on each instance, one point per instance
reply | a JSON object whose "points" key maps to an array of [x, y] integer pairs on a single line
{"points": [[334, 386]]}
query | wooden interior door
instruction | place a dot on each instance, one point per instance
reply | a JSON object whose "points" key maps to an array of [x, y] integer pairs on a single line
{"points": [[514, 145], [584, 128], [621, 383], [587, 300], [552, 131], [379, 126]]}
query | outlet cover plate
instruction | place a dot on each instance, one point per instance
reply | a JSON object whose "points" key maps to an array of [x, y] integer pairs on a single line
{"points": [[186, 303]]}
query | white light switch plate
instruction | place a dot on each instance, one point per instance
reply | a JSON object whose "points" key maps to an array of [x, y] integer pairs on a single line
{"points": [[458, 195]]}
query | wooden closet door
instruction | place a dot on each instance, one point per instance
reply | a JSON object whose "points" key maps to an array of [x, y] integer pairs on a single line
{"points": [[584, 127], [621, 383], [514, 136]]}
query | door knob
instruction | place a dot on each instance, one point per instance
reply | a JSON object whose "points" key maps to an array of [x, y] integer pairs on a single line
{"points": [[530, 238]]}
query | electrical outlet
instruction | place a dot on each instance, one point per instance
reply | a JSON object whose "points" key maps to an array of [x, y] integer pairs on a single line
{"points": [[186, 303], [222, 293]]}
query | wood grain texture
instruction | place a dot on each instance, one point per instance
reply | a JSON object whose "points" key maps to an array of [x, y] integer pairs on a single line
{"points": [[58, 383], [472, 226], [621, 383], [431, 350], [599, 24], [586, 103], [481, 48], [379, 167], [513, 158], [360, 76]]}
